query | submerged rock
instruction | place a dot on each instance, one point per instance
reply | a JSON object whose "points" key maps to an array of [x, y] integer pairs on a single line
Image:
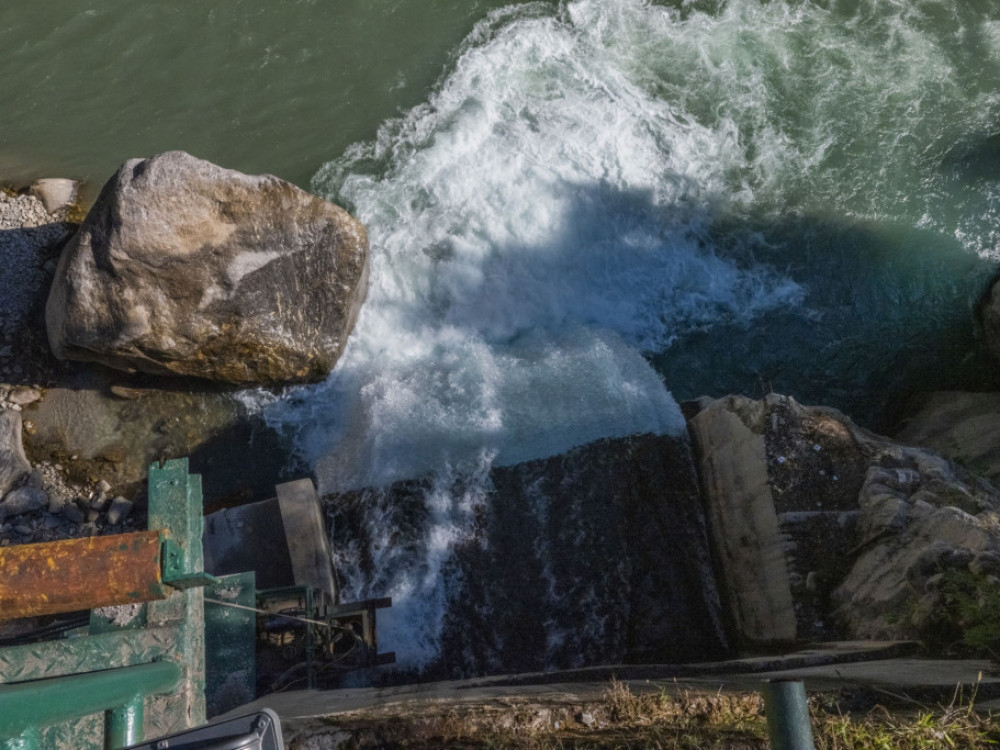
{"points": [[824, 530], [185, 268]]}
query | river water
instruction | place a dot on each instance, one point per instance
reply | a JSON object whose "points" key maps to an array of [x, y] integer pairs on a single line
{"points": [[578, 210]]}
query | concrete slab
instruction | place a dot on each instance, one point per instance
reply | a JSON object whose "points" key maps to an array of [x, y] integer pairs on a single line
{"points": [[830, 668]]}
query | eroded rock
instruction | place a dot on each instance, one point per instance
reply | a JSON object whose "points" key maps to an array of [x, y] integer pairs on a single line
{"points": [[824, 530], [185, 268]]}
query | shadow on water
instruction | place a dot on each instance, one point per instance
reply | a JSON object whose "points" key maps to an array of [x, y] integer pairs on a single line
{"points": [[849, 313], [888, 311]]}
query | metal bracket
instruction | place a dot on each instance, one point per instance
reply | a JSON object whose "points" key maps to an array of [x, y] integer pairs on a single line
{"points": [[175, 574]]}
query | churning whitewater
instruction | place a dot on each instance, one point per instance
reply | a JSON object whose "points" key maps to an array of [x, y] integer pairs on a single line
{"points": [[591, 184]]}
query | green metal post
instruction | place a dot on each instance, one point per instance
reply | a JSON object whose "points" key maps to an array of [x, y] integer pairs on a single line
{"points": [[123, 725], [29, 739], [787, 714]]}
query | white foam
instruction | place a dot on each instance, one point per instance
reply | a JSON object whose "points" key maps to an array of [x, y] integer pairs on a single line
{"points": [[537, 225]]}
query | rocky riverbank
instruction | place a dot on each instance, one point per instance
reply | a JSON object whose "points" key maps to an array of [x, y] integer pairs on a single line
{"points": [[772, 524], [40, 500]]}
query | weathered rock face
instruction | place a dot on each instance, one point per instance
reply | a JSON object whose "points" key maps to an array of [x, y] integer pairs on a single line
{"points": [[596, 556], [960, 426], [183, 267], [824, 530]]}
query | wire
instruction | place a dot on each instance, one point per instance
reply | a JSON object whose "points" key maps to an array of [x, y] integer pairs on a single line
{"points": [[269, 614]]}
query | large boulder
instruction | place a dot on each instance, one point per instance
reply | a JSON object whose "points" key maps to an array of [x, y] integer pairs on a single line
{"points": [[824, 530], [183, 267]]}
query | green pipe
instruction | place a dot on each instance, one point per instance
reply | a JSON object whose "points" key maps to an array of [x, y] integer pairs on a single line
{"points": [[43, 702], [123, 725], [787, 715]]}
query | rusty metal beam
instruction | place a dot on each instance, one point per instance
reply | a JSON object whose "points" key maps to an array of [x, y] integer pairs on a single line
{"points": [[79, 574]]}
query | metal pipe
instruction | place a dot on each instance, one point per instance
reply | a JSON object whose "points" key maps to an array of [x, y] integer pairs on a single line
{"points": [[787, 715], [44, 702], [123, 725]]}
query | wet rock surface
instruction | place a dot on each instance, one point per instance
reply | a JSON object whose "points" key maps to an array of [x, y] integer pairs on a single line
{"points": [[596, 556], [185, 268]]}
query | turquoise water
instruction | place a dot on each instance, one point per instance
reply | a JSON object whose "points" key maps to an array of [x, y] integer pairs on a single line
{"points": [[580, 211]]}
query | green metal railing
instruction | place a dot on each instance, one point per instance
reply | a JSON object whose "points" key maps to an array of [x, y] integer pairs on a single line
{"points": [[146, 676], [119, 693]]}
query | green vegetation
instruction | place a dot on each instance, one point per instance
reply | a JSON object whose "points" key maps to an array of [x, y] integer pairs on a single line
{"points": [[964, 618]]}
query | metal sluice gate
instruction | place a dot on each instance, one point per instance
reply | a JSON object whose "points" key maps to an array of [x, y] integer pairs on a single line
{"points": [[144, 642]]}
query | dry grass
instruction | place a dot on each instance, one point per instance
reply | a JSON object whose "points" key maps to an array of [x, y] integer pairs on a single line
{"points": [[682, 720]]}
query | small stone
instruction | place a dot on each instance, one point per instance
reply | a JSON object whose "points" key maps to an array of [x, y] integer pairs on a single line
{"points": [[120, 510], [73, 513], [126, 393], [92, 515], [22, 396], [587, 719], [23, 500], [55, 193], [103, 487], [56, 504], [51, 522], [24, 530]]}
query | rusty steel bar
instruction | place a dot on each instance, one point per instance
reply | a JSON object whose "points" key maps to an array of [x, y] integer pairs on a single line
{"points": [[78, 574]]}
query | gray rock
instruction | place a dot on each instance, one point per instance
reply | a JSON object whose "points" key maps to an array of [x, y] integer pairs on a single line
{"points": [[119, 511], [55, 193], [183, 267], [73, 514], [587, 719], [794, 570], [23, 500], [13, 463], [56, 504], [22, 396]]}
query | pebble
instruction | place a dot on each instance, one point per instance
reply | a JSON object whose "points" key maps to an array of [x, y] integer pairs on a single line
{"points": [[120, 510], [73, 513], [24, 500], [56, 504], [24, 396], [587, 719]]}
